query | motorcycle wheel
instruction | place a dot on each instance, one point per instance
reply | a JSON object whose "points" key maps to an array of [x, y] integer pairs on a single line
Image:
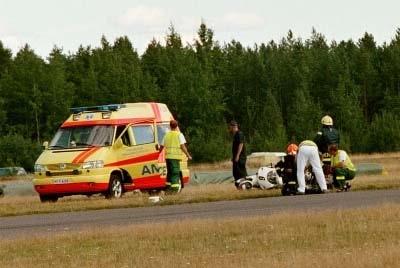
{"points": [[246, 186]]}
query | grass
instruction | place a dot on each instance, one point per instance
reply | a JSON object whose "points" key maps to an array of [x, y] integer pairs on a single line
{"points": [[12, 206], [341, 238]]}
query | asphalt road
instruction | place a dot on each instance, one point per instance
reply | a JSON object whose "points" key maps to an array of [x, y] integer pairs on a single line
{"points": [[49, 224]]}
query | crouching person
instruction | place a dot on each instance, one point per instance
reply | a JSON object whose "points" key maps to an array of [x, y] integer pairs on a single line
{"points": [[342, 168]]}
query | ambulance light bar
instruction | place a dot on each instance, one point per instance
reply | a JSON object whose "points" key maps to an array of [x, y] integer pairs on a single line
{"points": [[100, 108]]}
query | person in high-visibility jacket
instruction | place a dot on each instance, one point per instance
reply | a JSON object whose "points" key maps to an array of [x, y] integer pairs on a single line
{"points": [[175, 146], [308, 153], [342, 168]]}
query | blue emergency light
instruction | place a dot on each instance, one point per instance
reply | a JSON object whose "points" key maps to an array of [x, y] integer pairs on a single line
{"points": [[100, 108]]}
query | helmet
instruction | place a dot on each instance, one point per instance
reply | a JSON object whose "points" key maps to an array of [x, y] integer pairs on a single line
{"points": [[327, 120], [292, 149]]}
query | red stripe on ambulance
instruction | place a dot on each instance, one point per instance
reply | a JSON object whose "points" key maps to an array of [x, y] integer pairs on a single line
{"points": [[135, 160], [84, 155]]}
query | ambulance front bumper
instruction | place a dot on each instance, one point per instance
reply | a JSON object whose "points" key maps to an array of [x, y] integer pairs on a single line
{"points": [[71, 184]]}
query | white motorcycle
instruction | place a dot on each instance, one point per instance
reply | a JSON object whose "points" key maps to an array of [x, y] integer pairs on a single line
{"points": [[265, 178]]}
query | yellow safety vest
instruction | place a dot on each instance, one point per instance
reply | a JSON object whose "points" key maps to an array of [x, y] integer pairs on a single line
{"points": [[172, 145], [308, 143], [347, 163]]}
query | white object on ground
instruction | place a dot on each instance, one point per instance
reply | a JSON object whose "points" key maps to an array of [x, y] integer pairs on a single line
{"points": [[155, 199]]}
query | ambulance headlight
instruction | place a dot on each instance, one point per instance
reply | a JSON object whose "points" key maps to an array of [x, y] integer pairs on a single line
{"points": [[39, 168], [93, 164]]}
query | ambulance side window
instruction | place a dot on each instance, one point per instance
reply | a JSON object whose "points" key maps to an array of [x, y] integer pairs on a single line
{"points": [[125, 137], [143, 134]]}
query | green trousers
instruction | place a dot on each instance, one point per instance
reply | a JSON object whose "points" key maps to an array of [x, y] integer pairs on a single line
{"points": [[341, 175], [173, 175]]}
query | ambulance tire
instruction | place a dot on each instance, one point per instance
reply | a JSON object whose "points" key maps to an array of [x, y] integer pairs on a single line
{"points": [[115, 188], [48, 198], [182, 184]]}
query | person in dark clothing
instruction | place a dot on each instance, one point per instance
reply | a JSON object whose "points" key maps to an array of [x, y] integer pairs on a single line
{"points": [[288, 164], [238, 153], [327, 135]]}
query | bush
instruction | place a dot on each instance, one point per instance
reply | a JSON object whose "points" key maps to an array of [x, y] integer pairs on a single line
{"points": [[15, 150], [385, 133]]}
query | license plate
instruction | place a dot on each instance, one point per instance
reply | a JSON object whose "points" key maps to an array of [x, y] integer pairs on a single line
{"points": [[60, 181]]}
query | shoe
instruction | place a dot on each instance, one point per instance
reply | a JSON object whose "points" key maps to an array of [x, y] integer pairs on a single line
{"points": [[300, 193], [326, 191], [347, 187], [339, 190]]}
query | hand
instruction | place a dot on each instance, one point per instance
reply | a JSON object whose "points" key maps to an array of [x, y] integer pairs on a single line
{"points": [[189, 157], [236, 159]]}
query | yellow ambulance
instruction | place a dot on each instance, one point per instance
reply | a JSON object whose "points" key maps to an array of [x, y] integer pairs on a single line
{"points": [[107, 149]]}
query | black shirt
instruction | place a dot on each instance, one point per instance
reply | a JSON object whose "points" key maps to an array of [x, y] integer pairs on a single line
{"points": [[238, 138]]}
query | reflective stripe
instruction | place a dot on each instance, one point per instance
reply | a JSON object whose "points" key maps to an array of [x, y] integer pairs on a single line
{"points": [[172, 145], [175, 185], [340, 178]]}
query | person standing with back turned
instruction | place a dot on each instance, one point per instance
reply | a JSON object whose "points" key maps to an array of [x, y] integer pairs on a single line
{"points": [[174, 143], [238, 153], [327, 135]]}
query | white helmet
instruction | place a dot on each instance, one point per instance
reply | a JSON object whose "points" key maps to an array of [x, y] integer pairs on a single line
{"points": [[327, 120]]}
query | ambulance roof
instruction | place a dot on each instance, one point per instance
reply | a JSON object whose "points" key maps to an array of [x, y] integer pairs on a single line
{"points": [[118, 114]]}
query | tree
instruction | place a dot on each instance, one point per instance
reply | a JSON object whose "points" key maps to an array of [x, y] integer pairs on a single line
{"points": [[22, 89]]}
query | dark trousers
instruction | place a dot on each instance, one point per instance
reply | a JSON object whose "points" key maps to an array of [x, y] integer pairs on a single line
{"points": [[239, 170]]}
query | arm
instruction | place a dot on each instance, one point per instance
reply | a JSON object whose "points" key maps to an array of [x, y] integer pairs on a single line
{"points": [[184, 149], [342, 159], [182, 142], [340, 165], [161, 146], [240, 148]]}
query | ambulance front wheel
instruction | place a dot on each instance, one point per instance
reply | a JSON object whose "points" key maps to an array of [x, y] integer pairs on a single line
{"points": [[115, 187]]}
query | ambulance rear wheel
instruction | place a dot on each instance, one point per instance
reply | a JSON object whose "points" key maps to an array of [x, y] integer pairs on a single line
{"points": [[115, 187], [48, 198]]}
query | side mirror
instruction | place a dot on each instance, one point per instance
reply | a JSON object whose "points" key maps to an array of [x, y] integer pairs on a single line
{"points": [[157, 147], [118, 144], [45, 145]]}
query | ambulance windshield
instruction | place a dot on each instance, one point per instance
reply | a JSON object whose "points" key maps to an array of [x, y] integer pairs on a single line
{"points": [[85, 136]]}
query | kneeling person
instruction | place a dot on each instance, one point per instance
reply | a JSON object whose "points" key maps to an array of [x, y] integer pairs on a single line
{"points": [[342, 167]]}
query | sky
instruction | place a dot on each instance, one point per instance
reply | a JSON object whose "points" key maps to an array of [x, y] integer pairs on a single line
{"points": [[44, 24]]}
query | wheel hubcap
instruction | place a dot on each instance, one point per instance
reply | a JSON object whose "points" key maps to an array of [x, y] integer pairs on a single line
{"points": [[117, 188]]}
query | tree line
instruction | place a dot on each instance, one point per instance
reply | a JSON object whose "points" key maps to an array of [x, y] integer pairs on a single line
{"points": [[277, 91]]}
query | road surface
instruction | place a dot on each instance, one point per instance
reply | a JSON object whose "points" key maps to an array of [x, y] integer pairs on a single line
{"points": [[49, 224]]}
